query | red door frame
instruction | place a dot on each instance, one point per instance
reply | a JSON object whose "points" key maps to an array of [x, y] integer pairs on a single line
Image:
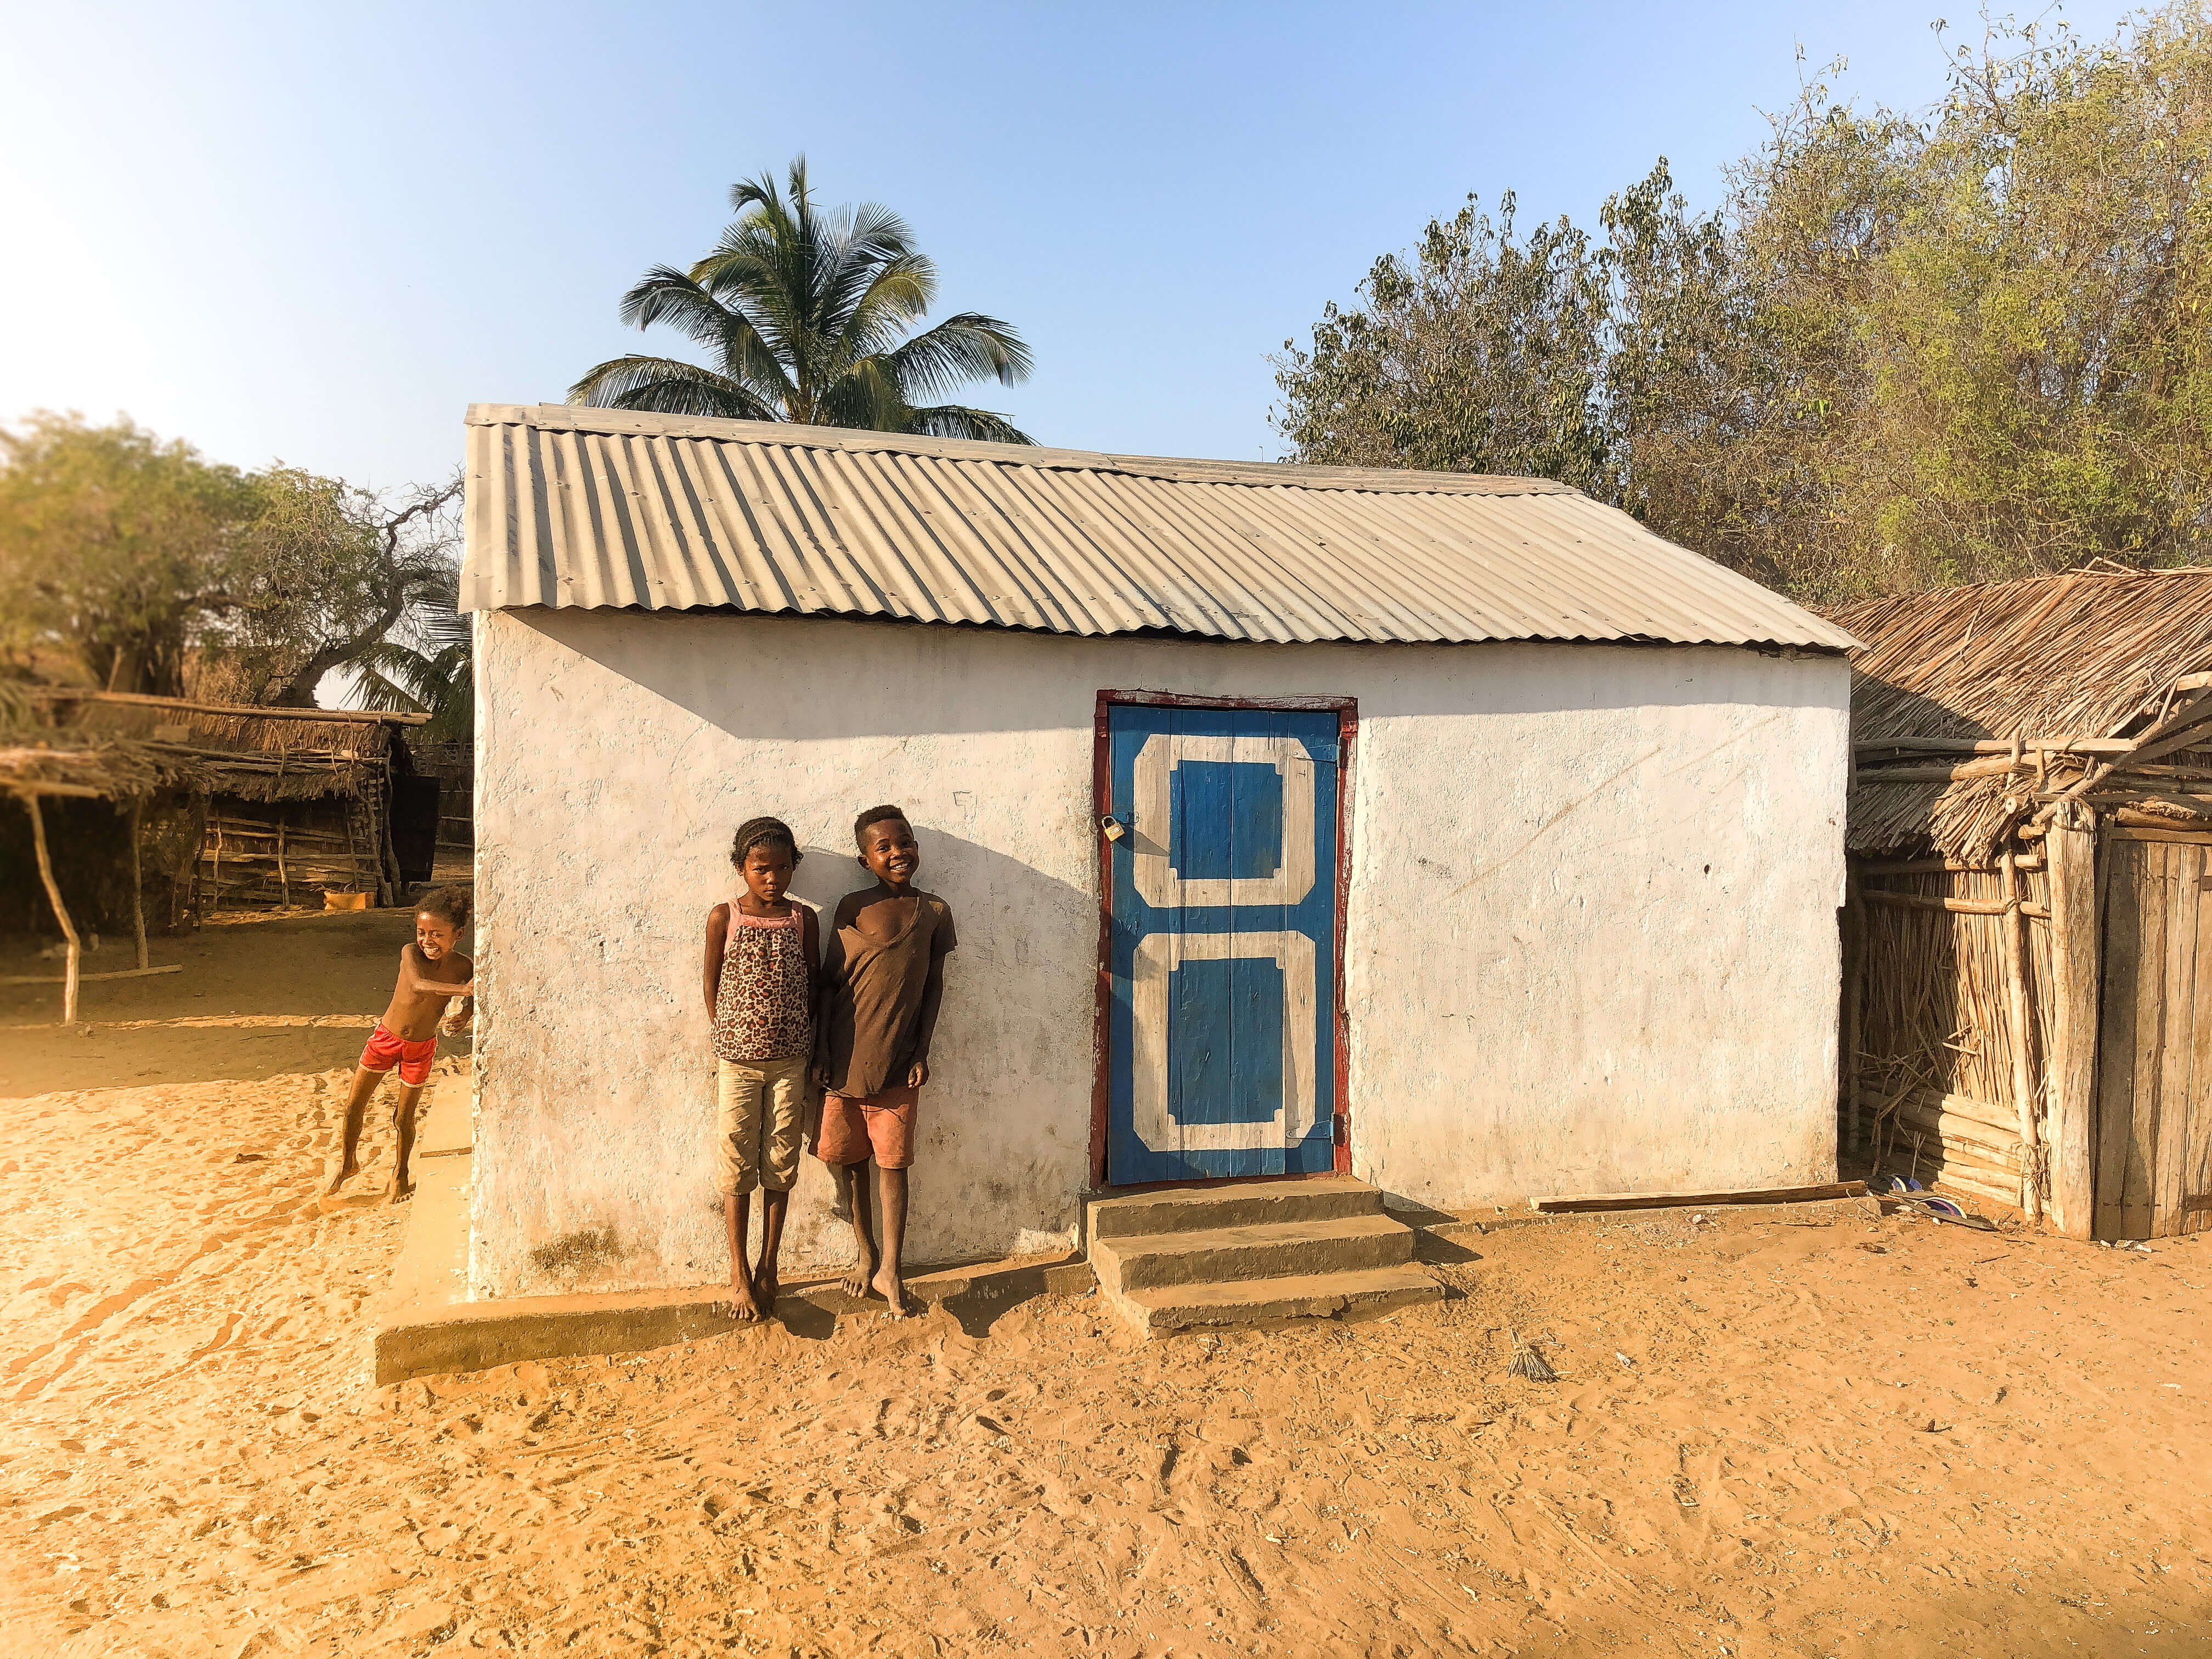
{"points": [[1346, 710]]}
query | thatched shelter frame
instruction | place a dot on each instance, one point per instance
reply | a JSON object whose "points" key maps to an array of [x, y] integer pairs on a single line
{"points": [[124, 747], [2020, 747]]}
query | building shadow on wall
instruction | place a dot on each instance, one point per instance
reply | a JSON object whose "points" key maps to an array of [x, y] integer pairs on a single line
{"points": [[1013, 987], [946, 681], [997, 900]]}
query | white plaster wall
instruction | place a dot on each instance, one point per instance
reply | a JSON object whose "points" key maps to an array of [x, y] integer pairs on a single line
{"points": [[1592, 940]]}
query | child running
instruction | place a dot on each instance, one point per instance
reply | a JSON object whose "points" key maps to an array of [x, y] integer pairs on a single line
{"points": [[882, 983], [760, 985], [431, 974]]}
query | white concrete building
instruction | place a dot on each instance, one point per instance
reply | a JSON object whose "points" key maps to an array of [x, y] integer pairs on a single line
{"points": [[1473, 840]]}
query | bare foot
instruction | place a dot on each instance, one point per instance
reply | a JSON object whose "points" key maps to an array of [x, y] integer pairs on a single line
{"points": [[858, 1277], [892, 1289], [402, 1190], [766, 1289], [347, 1172], [743, 1308]]}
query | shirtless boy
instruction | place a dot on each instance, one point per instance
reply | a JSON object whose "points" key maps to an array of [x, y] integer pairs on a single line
{"points": [[883, 979], [431, 974]]}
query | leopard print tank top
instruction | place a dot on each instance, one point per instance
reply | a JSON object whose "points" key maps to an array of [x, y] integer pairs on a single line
{"points": [[760, 1012]]}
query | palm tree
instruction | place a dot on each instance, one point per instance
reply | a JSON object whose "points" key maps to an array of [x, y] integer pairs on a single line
{"points": [[804, 312], [425, 666]]}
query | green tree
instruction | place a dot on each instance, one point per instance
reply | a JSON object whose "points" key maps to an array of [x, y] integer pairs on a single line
{"points": [[1480, 354], [1911, 349], [147, 563], [805, 313], [335, 571], [425, 665], [115, 545]]}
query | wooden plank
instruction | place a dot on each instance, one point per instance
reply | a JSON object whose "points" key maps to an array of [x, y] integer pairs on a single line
{"points": [[2162, 837], [1987, 1145], [1849, 1087], [1994, 768], [1987, 1114], [1965, 1181], [86, 979], [2070, 1099], [2128, 817], [1995, 745], [2019, 1029], [1936, 866], [1588, 1203], [2196, 1137], [2122, 873], [2169, 1146], [252, 711], [2149, 1043], [1936, 902]]}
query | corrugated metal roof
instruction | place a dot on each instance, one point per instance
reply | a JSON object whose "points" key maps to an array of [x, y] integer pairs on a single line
{"points": [[597, 508]]}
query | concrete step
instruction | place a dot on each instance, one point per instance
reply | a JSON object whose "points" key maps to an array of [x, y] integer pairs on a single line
{"points": [[1241, 1204], [1349, 1244], [1263, 1301]]}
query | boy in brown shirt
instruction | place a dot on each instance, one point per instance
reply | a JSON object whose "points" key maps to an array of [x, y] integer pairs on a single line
{"points": [[883, 979]]}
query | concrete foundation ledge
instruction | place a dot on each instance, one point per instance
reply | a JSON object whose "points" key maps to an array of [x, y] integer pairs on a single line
{"points": [[474, 1336], [427, 1325]]}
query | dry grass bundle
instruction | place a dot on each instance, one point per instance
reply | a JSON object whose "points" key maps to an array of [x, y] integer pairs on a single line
{"points": [[1527, 1363]]}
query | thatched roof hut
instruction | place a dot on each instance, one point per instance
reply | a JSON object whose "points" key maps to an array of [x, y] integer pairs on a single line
{"points": [[253, 753], [210, 803], [2030, 827]]}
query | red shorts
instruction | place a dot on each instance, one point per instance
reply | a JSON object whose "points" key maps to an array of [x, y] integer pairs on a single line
{"points": [[413, 1059], [882, 1127]]}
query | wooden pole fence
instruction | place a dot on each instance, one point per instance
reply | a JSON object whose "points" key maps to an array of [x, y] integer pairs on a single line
{"points": [[61, 911], [2022, 1034]]}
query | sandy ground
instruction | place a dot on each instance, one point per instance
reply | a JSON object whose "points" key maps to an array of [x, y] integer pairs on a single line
{"points": [[1810, 1432]]}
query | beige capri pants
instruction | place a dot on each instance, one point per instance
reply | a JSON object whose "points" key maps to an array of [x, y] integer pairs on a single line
{"points": [[760, 1119]]}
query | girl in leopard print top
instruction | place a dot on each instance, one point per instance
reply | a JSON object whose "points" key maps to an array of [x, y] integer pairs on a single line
{"points": [[761, 974]]}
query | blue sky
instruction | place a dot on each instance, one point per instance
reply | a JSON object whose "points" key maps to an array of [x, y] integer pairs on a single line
{"points": [[315, 233]]}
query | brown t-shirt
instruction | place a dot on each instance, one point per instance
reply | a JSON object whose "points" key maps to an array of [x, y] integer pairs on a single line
{"points": [[872, 1012]]}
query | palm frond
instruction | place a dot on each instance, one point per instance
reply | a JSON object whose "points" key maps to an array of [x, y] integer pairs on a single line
{"points": [[968, 347], [386, 688], [957, 420], [679, 299], [762, 192], [663, 385], [664, 295], [873, 266], [393, 679], [895, 297], [866, 396]]}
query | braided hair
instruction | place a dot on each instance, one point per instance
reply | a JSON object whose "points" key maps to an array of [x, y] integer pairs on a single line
{"points": [[754, 832]]}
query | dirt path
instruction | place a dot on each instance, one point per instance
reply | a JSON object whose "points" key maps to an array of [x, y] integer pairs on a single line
{"points": [[1808, 1434]]}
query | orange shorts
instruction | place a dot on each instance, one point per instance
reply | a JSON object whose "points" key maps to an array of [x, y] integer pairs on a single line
{"points": [[882, 1127], [413, 1059]]}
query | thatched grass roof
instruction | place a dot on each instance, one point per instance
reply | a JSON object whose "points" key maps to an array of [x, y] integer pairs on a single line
{"points": [[255, 754], [34, 763], [2092, 653]]}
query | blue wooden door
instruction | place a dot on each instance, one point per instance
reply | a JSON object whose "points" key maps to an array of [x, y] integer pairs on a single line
{"points": [[1222, 947]]}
